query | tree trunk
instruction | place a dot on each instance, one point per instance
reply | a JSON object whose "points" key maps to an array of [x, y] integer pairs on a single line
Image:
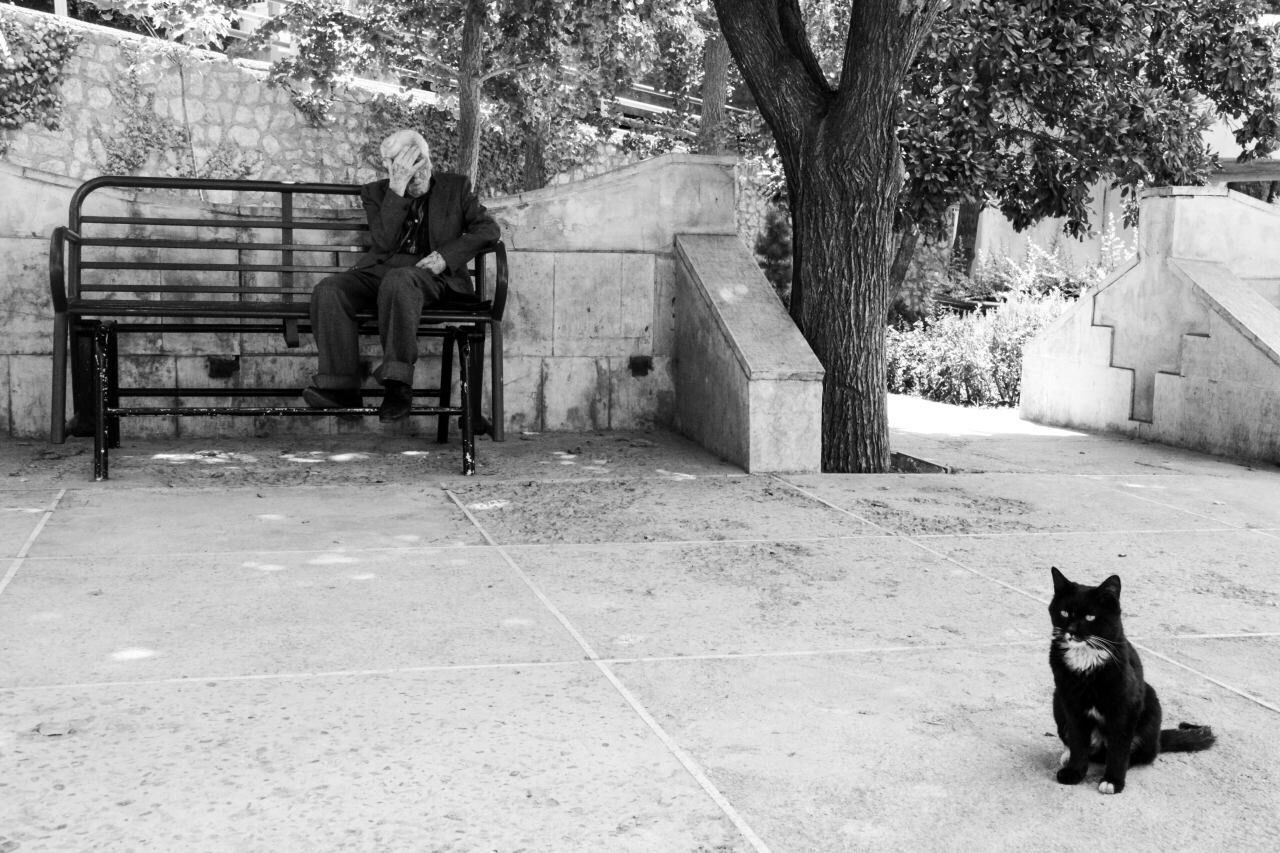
{"points": [[839, 150], [535, 157], [846, 272], [470, 79], [713, 132], [902, 257]]}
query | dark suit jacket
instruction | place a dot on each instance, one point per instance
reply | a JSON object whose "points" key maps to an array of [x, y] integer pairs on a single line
{"points": [[458, 227]]}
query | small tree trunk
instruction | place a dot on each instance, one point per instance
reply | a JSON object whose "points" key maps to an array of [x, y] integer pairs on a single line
{"points": [[713, 133], [966, 239], [470, 80], [907, 242], [535, 158]]}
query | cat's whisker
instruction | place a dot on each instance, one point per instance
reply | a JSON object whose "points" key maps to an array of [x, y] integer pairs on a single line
{"points": [[1103, 644]]}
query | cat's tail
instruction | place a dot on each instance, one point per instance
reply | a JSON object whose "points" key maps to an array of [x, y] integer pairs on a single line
{"points": [[1186, 738]]}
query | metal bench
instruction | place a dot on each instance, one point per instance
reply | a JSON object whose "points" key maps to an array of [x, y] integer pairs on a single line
{"points": [[239, 268]]}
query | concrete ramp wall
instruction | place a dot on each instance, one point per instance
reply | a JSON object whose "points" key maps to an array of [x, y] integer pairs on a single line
{"points": [[1182, 347], [748, 387]]}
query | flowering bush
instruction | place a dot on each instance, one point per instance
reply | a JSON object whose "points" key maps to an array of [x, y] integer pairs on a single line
{"points": [[973, 359]]}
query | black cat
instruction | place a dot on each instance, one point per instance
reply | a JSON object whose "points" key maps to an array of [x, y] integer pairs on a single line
{"points": [[1104, 709]]}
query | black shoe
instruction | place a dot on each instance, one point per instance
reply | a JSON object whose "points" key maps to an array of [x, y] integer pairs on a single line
{"points": [[332, 398], [397, 401]]}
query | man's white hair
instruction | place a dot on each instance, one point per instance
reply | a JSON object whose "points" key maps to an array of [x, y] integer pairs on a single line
{"points": [[402, 139]]}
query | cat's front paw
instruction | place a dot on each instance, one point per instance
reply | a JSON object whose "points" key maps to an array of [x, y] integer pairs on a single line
{"points": [[1109, 786], [1069, 776]]}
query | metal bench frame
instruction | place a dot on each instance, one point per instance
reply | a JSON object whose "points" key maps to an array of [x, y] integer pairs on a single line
{"points": [[91, 314]]}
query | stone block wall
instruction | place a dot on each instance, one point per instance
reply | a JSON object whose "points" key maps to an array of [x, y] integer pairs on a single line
{"points": [[1181, 347], [748, 386], [237, 125], [590, 328]]}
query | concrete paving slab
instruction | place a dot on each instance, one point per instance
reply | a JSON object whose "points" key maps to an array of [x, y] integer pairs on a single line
{"points": [[1248, 664], [26, 500], [1172, 583], [266, 518], [355, 458], [978, 440], [1243, 499], [20, 514], [458, 760], [951, 750], [670, 564], [15, 530], [775, 597], [679, 507], [929, 504], [1081, 454], [146, 618]]}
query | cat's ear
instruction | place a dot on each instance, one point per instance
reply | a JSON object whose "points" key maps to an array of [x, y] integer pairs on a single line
{"points": [[1111, 586], [1060, 582]]}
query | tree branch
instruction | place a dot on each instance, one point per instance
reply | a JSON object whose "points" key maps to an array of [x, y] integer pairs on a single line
{"points": [[783, 84], [872, 25], [791, 26]]}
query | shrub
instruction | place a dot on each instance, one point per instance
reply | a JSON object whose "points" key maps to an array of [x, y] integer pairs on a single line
{"points": [[973, 359], [773, 252]]}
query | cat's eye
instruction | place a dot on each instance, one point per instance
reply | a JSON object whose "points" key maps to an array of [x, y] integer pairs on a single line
{"points": [[1089, 617], [1064, 614]]}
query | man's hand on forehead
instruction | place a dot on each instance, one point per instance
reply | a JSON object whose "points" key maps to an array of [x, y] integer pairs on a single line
{"points": [[404, 165]]}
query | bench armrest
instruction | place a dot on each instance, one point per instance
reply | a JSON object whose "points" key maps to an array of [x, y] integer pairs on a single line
{"points": [[57, 265]]}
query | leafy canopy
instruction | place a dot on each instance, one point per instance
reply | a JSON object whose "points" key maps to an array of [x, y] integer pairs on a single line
{"points": [[1031, 102], [1028, 104]]}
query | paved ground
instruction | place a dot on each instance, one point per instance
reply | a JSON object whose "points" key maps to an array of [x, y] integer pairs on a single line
{"points": [[617, 643]]}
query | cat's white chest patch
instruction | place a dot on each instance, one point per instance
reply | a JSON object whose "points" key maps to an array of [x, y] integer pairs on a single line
{"points": [[1083, 657]]}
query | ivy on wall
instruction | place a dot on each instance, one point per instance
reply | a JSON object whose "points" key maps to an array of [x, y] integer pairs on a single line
{"points": [[32, 60], [138, 132], [140, 136]]}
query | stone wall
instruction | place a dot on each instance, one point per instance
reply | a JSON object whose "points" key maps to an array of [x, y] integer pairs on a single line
{"points": [[748, 387], [237, 126], [1182, 346], [590, 325]]}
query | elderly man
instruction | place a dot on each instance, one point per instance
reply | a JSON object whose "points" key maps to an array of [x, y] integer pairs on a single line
{"points": [[425, 228]]}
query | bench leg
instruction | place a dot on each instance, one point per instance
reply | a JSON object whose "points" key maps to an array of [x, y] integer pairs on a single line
{"points": [[101, 393], [498, 430], [113, 384], [468, 421], [476, 339], [81, 343], [446, 385], [58, 401]]}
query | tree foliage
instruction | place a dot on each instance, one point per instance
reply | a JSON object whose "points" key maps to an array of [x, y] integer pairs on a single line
{"points": [[1029, 103], [539, 67], [198, 23]]}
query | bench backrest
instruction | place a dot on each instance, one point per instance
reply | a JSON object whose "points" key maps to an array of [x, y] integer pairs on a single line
{"points": [[271, 240]]}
